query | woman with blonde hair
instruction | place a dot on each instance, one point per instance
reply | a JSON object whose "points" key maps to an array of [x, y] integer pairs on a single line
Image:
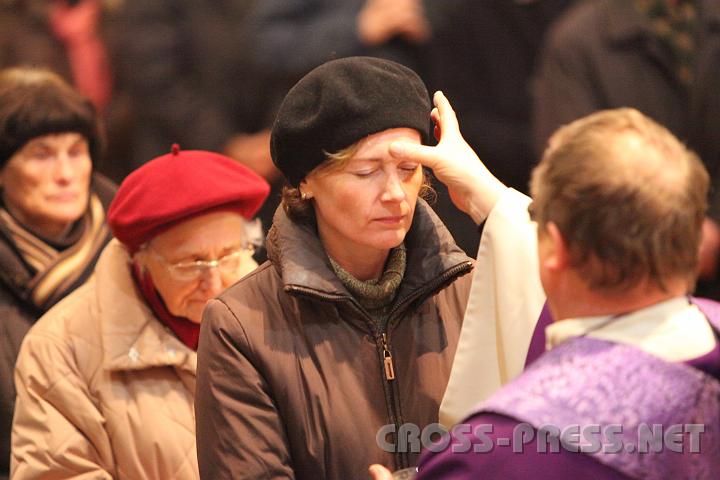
{"points": [[349, 330]]}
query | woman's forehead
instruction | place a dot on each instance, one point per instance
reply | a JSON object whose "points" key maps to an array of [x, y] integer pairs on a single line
{"points": [[375, 147], [206, 233]]}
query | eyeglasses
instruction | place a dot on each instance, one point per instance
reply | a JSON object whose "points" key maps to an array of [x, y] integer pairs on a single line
{"points": [[188, 271]]}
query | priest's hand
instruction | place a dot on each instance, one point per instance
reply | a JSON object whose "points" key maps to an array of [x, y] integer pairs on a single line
{"points": [[378, 472], [473, 189]]}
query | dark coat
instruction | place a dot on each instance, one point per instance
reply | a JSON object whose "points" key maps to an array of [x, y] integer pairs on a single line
{"points": [[187, 66], [602, 54], [482, 56], [292, 379], [18, 314]]}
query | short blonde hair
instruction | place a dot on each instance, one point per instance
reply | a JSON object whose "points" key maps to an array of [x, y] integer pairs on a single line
{"points": [[628, 198]]}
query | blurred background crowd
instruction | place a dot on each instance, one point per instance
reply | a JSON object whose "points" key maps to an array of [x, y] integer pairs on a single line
{"points": [[210, 74]]}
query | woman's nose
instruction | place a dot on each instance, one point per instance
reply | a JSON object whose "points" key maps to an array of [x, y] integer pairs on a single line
{"points": [[63, 168], [393, 189], [211, 281]]}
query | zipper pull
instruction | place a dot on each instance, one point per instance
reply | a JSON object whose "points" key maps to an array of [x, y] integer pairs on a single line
{"points": [[387, 359]]}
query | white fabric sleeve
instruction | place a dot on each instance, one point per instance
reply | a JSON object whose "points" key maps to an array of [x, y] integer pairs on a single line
{"points": [[506, 298]]}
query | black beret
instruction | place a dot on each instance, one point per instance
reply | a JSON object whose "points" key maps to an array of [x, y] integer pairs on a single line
{"points": [[340, 103]]}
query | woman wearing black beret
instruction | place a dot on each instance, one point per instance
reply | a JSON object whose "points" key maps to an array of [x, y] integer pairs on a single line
{"points": [[308, 367]]}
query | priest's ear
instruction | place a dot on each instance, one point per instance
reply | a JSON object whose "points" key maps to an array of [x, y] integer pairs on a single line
{"points": [[553, 252]]}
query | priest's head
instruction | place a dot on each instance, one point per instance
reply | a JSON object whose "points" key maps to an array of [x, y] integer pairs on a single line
{"points": [[619, 203]]}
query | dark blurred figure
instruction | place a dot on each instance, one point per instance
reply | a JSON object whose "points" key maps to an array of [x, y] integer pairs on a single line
{"points": [[188, 64], [76, 39], [52, 210], [659, 56], [482, 57], [294, 36], [186, 72]]}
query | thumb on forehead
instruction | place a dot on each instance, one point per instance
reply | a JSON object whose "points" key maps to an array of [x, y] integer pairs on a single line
{"points": [[414, 152]]}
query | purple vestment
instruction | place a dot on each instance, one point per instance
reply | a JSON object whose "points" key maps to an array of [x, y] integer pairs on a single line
{"points": [[588, 381]]}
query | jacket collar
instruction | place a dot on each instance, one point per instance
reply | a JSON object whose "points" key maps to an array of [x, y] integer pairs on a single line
{"points": [[299, 256], [625, 24], [132, 338]]}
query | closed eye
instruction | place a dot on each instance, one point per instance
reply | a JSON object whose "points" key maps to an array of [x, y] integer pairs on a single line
{"points": [[80, 148], [41, 154], [407, 171]]}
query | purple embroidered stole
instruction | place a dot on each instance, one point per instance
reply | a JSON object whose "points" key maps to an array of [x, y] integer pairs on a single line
{"points": [[587, 381]]}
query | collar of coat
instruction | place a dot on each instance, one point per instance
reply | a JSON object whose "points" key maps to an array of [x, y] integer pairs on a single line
{"points": [[132, 337], [433, 258], [624, 23]]}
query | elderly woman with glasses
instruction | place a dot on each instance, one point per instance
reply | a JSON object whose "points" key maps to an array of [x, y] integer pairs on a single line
{"points": [[106, 379]]}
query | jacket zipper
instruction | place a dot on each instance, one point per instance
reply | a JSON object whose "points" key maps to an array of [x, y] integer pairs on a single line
{"points": [[389, 373], [392, 402], [387, 359], [381, 338], [403, 459], [388, 365]]}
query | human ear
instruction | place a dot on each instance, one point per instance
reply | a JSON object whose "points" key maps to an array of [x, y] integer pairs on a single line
{"points": [[305, 190], [554, 252]]}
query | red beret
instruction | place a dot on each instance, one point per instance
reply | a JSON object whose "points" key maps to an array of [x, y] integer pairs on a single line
{"points": [[178, 186]]}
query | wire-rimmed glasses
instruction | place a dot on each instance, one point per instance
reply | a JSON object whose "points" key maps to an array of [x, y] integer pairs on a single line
{"points": [[188, 271]]}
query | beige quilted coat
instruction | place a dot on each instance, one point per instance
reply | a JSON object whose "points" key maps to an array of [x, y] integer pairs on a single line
{"points": [[103, 390]]}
